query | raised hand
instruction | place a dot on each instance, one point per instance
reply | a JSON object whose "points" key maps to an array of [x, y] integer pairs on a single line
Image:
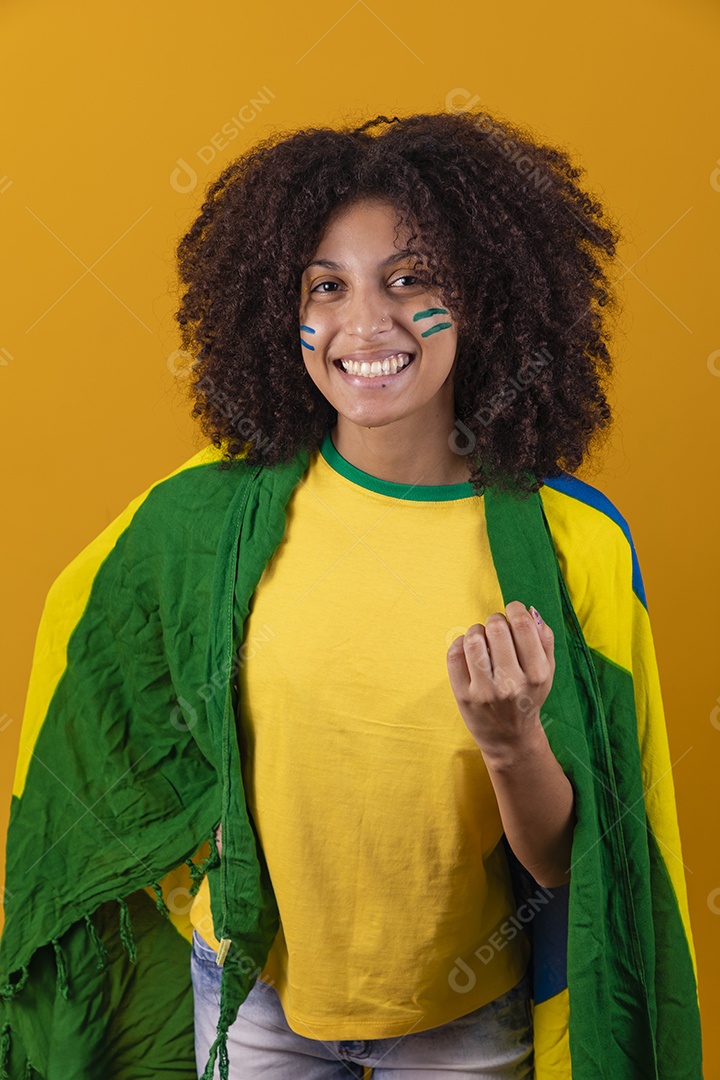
{"points": [[501, 673]]}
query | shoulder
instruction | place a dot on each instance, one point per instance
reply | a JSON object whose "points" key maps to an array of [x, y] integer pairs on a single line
{"points": [[598, 561], [172, 515], [193, 496], [588, 526]]}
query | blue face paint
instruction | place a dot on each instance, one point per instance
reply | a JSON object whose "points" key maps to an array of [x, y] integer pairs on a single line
{"points": [[308, 330], [427, 315]]}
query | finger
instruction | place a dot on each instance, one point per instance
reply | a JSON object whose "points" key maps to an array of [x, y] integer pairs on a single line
{"points": [[547, 638], [457, 667], [477, 652], [501, 647], [527, 640], [532, 645]]}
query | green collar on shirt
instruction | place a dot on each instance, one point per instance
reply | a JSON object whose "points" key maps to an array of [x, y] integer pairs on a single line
{"points": [[411, 493]]}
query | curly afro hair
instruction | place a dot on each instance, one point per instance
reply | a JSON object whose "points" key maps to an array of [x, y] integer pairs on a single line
{"points": [[515, 248]]}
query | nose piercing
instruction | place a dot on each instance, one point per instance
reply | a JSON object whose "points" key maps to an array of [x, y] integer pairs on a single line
{"points": [[382, 321]]}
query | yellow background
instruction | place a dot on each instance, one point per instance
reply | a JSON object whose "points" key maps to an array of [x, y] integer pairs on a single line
{"points": [[112, 103]]}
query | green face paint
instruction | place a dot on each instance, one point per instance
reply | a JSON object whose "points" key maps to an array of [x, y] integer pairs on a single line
{"points": [[434, 329], [430, 311], [427, 315]]}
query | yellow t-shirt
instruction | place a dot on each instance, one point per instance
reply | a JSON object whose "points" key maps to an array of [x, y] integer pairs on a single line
{"points": [[371, 799]]}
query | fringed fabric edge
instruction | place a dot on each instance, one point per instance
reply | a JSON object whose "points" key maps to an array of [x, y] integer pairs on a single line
{"points": [[13, 986], [97, 943], [29, 1073], [62, 974], [5, 1045], [199, 870], [10, 989], [160, 902], [126, 931]]}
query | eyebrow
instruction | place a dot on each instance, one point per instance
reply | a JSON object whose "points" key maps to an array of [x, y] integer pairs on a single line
{"points": [[329, 265]]}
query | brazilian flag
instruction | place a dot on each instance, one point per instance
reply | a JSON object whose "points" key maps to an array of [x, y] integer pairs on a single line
{"points": [[125, 770]]}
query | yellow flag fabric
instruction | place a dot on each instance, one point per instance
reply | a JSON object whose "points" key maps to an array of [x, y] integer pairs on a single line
{"points": [[132, 759]]}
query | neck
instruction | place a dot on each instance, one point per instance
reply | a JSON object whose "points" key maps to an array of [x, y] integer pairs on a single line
{"points": [[402, 453]]}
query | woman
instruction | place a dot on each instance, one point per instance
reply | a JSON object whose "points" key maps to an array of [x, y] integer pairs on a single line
{"points": [[399, 357]]}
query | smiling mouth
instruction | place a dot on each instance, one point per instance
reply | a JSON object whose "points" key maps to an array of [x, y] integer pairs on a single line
{"points": [[391, 365]]}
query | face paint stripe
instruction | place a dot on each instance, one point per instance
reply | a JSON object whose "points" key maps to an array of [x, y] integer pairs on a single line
{"points": [[429, 312], [434, 329], [308, 328], [305, 344]]}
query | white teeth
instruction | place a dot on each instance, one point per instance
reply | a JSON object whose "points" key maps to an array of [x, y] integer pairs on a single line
{"points": [[389, 366]]}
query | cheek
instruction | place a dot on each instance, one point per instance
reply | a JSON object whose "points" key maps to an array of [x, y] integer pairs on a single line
{"points": [[308, 338], [442, 333], [440, 340], [441, 351], [316, 371], [316, 325]]}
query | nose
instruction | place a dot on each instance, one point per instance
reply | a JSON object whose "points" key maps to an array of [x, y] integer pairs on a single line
{"points": [[366, 314]]}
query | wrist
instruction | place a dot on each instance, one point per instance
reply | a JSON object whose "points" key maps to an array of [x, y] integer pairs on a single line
{"points": [[502, 755]]}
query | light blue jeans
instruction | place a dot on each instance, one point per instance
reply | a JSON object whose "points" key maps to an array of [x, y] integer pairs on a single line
{"points": [[495, 1041]]}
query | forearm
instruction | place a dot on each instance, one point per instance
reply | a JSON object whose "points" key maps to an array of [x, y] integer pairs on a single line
{"points": [[537, 807]]}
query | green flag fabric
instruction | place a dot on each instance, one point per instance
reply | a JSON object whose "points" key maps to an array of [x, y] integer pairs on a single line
{"points": [[129, 760]]}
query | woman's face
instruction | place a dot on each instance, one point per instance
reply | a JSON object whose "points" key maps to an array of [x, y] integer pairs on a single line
{"points": [[361, 302]]}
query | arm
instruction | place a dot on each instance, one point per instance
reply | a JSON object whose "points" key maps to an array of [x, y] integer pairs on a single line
{"points": [[501, 674], [537, 807]]}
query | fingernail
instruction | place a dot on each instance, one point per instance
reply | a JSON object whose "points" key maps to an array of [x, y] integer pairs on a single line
{"points": [[536, 615]]}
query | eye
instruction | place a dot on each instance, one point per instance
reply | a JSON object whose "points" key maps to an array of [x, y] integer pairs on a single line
{"points": [[413, 280], [409, 277], [320, 285]]}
